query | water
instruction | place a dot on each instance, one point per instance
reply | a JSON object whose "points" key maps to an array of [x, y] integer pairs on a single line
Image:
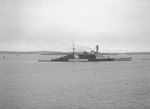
{"points": [[28, 84]]}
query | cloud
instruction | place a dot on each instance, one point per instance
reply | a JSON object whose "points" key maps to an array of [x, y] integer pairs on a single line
{"points": [[49, 24]]}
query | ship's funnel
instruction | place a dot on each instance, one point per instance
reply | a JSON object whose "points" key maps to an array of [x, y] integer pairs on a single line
{"points": [[97, 47]]}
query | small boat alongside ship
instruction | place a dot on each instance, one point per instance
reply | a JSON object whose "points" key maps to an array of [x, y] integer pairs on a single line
{"points": [[123, 59], [145, 58], [93, 56]]}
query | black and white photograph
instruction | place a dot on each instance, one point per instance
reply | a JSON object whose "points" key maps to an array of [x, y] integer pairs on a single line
{"points": [[74, 54]]}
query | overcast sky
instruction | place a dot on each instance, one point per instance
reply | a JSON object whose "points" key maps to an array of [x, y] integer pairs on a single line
{"points": [[116, 25]]}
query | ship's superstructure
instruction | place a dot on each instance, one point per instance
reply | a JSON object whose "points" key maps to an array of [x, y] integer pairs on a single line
{"points": [[94, 56], [84, 57]]}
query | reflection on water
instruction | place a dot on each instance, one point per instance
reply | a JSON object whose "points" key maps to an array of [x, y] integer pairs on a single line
{"points": [[27, 84]]}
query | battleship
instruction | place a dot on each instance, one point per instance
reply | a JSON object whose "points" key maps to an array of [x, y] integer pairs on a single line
{"points": [[93, 56]]}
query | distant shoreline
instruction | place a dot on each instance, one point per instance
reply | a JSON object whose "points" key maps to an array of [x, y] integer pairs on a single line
{"points": [[64, 53]]}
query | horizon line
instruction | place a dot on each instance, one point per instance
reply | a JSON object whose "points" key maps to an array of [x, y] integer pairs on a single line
{"points": [[26, 51]]}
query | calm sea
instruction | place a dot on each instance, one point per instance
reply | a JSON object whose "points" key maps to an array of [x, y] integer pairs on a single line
{"points": [[28, 84]]}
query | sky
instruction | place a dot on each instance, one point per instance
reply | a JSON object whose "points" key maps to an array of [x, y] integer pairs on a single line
{"points": [[115, 25]]}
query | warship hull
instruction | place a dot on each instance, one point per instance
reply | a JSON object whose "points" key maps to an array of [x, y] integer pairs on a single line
{"points": [[106, 59], [89, 60], [77, 60]]}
